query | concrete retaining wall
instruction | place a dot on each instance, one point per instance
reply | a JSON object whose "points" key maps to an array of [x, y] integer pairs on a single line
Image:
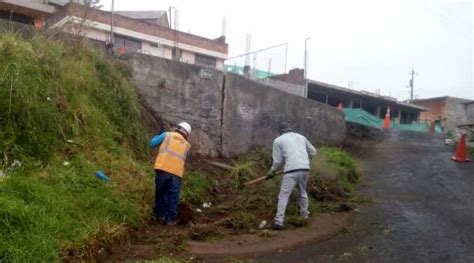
{"points": [[176, 92], [229, 113], [252, 112]]}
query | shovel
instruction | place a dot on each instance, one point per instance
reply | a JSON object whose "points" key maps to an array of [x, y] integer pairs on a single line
{"points": [[259, 179], [230, 168]]}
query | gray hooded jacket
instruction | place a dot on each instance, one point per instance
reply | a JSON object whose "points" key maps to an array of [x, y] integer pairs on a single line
{"points": [[294, 151]]}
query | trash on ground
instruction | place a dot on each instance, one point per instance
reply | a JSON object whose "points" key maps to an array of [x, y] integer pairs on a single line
{"points": [[14, 165], [101, 175], [262, 224], [66, 163], [207, 205]]}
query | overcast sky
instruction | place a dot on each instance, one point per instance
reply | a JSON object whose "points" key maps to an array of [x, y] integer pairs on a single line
{"points": [[373, 44]]}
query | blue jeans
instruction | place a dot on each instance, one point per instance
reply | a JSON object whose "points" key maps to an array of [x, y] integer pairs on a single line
{"points": [[167, 188]]}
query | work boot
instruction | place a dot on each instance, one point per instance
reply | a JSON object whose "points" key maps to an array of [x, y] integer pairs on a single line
{"points": [[276, 226], [171, 223], [159, 220]]}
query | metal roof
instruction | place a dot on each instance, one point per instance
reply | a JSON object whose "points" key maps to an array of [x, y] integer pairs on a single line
{"points": [[362, 93], [142, 14]]}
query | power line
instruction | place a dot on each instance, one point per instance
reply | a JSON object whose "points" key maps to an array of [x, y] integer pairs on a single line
{"points": [[256, 51], [446, 19]]}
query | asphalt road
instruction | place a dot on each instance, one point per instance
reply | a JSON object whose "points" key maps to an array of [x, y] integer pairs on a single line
{"points": [[422, 210]]}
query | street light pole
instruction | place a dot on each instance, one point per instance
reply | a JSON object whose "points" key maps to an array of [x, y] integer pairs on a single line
{"points": [[306, 67], [112, 37], [306, 57]]}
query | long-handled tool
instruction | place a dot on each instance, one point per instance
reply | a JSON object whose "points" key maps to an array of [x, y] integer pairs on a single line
{"points": [[259, 179], [230, 168]]}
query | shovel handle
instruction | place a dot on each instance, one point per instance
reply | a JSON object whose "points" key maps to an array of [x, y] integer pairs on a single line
{"points": [[259, 179], [256, 180]]}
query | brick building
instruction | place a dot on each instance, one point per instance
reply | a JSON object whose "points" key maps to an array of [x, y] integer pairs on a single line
{"points": [[146, 32], [470, 112], [31, 12], [295, 76], [450, 112]]}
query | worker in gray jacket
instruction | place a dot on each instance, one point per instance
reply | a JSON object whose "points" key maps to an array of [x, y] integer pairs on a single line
{"points": [[294, 152]]}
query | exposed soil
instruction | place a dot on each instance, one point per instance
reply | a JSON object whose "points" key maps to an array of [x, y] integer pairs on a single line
{"points": [[266, 241], [230, 226], [150, 245]]}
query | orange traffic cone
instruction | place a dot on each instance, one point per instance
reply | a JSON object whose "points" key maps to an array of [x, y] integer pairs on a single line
{"points": [[461, 151], [432, 127], [386, 121], [340, 106]]}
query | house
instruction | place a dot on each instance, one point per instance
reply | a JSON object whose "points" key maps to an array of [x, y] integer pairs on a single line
{"points": [[470, 112], [450, 112], [373, 103], [146, 32], [31, 12]]}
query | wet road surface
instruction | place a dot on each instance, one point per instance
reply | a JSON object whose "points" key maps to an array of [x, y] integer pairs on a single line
{"points": [[422, 210]]}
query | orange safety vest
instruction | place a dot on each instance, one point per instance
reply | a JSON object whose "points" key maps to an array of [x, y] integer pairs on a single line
{"points": [[172, 154]]}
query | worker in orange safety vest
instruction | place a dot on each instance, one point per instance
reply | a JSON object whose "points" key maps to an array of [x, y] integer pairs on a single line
{"points": [[169, 169]]}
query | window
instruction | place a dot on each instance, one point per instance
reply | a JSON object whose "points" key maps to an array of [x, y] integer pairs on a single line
{"points": [[16, 17], [205, 61], [127, 45], [176, 54]]}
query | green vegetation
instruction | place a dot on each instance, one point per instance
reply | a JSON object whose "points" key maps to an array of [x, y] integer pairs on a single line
{"points": [[66, 112], [240, 209], [450, 134], [344, 164], [195, 188]]}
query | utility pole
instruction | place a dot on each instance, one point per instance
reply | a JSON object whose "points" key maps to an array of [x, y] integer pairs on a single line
{"points": [[412, 73], [112, 37], [305, 79], [306, 57], [170, 18]]}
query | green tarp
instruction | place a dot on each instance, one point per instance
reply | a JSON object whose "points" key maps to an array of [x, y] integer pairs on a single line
{"points": [[258, 74], [363, 117]]}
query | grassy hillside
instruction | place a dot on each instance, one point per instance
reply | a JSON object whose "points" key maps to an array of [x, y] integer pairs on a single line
{"points": [[66, 112]]}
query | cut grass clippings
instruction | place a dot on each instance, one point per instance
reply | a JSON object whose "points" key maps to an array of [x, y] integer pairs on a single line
{"points": [[240, 209]]}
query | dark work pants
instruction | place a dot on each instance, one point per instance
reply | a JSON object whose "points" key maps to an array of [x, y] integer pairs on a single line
{"points": [[167, 188]]}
